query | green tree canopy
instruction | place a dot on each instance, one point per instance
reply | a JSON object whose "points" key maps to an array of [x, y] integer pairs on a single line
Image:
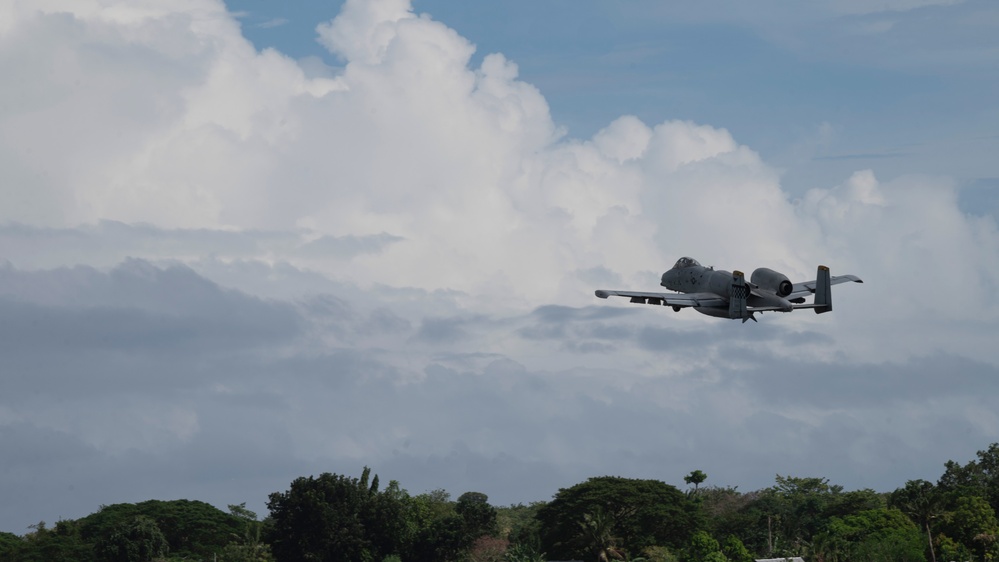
{"points": [[639, 513], [61, 543], [695, 478], [519, 524], [9, 543], [973, 523], [138, 540], [922, 503], [978, 477], [735, 551], [479, 517], [876, 535], [702, 546], [250, 547], [334, 517], [782, 520], [801, 509], [432, 527], [191, 528]]}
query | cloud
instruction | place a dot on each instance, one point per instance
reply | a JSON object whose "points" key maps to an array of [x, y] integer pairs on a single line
{"points": [[357, 385], [106, 243], [223, 272], [447, 177], [135, 284]]}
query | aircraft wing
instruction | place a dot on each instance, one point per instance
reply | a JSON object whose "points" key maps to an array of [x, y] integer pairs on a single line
{"points": [[808, 287], [667, 299]]}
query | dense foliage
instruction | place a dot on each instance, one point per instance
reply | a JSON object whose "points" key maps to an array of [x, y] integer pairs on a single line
{"points": [[611, 515], [336, 517], [190, 528], [151, 530]]}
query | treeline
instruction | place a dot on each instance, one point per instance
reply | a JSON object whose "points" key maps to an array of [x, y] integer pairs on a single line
{"points": [[340, 518]]}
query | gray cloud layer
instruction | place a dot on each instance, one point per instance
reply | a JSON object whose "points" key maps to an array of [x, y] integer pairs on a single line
{"points": [[185, 389]]}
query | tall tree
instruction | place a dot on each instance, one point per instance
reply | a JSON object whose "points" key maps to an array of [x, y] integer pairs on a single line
{"points": [[433, 528], [988, 464], [249, 548], [642, 513], [334, 517], [479, 517], [802, 509], [696, 477], [969, 495], [921, 501]]}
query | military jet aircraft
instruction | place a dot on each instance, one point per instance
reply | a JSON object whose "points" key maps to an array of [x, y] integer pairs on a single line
{"points": [[729, 295]]}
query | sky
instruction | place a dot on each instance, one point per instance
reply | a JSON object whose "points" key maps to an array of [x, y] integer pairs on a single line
{"points": [[249, 241]]}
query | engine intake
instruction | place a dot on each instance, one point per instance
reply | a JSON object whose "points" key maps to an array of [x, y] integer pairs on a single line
{"points": [[771, 280]]}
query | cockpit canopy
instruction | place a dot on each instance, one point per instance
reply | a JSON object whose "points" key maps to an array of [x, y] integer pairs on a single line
{"points": [[686, 262]]}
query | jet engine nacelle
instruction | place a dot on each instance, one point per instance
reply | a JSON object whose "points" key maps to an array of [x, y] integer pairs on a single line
{"points": [[771, 280]]}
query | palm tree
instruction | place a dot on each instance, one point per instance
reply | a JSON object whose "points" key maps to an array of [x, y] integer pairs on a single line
{"points": [[920, 500], [695, 478], [597, 531]]}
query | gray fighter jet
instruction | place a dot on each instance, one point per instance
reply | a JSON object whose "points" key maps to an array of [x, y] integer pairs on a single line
{"points": [[729, 295]]}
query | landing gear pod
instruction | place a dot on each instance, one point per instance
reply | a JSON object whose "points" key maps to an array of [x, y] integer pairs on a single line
{"points": [[737, 300]]}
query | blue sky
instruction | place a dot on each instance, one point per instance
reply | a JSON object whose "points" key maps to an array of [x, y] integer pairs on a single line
{"points": [[819, 90], [242, 243]]}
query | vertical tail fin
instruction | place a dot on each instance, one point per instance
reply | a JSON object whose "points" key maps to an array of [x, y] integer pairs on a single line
{"points": [[737, 297], [823, 291]]}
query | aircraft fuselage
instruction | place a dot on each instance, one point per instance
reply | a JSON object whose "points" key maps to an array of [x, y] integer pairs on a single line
{"points": [[700, 279]]}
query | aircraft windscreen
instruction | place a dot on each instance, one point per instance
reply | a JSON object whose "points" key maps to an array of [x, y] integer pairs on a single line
{"points": [[685, 262]]}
